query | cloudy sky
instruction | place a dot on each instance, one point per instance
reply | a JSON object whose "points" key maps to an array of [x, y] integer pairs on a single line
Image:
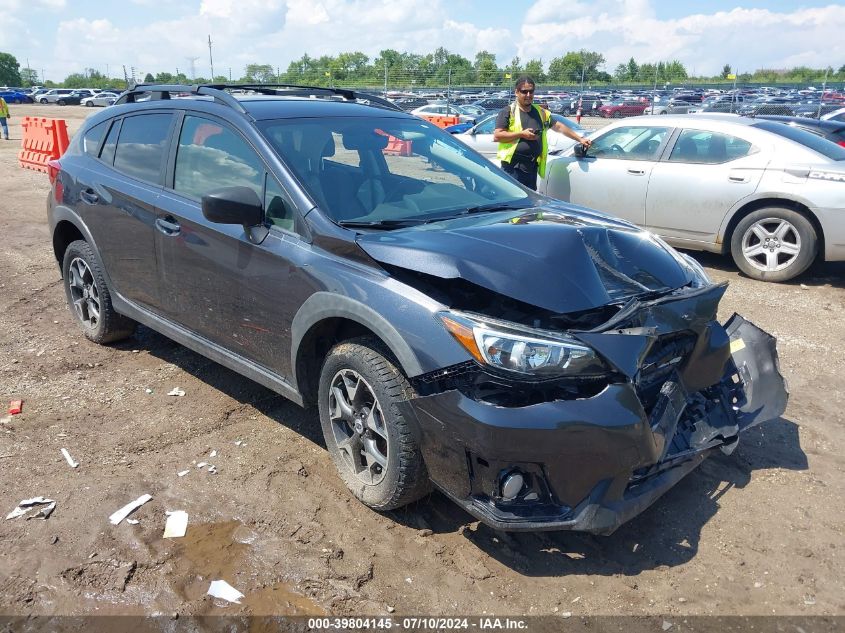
{"points": [[59, 37]]}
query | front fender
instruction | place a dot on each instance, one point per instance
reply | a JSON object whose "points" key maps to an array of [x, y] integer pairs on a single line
{"points": [[326, 305]]}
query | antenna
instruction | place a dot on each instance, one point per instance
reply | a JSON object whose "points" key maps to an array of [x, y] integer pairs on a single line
{"points": [[192, 61]]}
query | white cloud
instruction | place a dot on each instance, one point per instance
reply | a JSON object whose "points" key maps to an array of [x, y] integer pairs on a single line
{"points": [[278, 31], [748, 39]]}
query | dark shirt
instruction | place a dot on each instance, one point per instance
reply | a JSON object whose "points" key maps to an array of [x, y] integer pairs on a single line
{"points": [[526, 150]]}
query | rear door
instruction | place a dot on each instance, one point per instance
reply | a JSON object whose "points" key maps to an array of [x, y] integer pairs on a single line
{"points": [[703, 176], [118, 201], [614, 175]]}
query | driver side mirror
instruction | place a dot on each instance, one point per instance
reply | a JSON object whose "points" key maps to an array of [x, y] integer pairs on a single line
{"points": [[579, 151]]}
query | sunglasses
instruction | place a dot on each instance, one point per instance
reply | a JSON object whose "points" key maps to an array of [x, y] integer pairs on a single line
{"points": [[525, 92]]}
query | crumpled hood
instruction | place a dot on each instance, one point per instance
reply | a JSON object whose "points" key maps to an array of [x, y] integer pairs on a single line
{"points": [[560, 260]]}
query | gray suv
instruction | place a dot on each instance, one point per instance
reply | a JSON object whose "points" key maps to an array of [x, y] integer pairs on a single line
{"points": [[545, 366]]}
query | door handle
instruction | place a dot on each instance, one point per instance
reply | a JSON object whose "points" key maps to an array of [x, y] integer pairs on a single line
{"points": [[168, 226], [89, 195], [737, 178], [637, 172]]}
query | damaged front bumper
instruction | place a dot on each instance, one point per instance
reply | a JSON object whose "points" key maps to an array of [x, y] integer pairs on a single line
{"points": [[592, 463]]}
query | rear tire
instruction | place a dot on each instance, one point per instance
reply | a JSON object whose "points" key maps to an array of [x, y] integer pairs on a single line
{"points": [[88, 296], [374, 448], [774, 244]]}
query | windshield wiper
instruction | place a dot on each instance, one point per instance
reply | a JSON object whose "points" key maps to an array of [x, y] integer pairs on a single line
{"points": [[381, 224], [494, 206]]}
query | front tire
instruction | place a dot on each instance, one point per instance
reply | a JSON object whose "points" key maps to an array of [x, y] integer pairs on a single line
{"points": [[774, 244], [374, 448], [88, 296]]}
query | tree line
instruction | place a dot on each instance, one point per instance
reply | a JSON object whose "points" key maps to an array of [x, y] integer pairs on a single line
{"points": [[441, 68]]}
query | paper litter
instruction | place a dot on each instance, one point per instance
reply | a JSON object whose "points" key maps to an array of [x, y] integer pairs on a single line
{"points": [[69, 459], [222, 589], [126, 510], [177, 524]]}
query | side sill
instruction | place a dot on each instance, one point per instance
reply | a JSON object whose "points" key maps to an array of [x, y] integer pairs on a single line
{"points": [[210, 350]]}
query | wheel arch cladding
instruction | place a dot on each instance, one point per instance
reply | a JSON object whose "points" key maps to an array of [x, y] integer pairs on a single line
{"points": [[762, 203], [325, 319], [65, 233]]}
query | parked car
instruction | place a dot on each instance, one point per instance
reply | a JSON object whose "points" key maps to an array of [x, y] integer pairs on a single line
{"points": [[13, 96], [53, 95], [769, 194], [442, 109], [100, 99], [545, 366], [74, 98], [835, 115], [833, 131], [480, 137], [619, 108]]}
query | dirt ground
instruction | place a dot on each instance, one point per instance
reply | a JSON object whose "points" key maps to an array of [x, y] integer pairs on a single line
{"points": [[756, 533]]}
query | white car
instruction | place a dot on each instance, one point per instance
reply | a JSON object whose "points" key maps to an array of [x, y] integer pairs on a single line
{"points": [[480, 137], [771, 195], [53, 95], [836, 115], [100, 99], [441, 109]]}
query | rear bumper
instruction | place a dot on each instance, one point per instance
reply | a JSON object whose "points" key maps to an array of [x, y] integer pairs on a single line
{"points": [[592, 464]]}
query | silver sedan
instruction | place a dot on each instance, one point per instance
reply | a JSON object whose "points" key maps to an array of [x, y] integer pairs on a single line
{"points": [[770, 195], [100, 99]]}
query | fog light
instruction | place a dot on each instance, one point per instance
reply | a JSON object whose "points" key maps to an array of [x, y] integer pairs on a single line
{"points": [[511, 485]]}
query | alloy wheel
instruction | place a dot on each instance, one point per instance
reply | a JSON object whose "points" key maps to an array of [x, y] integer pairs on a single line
{"points": [[771, 244], [358, 425], [84, 293]]}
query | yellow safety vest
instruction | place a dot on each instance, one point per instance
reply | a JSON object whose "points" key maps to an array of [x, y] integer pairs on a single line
{"points": [[4, 109], [507, 150]]}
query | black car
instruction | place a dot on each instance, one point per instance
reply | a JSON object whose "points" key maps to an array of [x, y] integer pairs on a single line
{"points": [[831, 130], [545, 366], [74, 98]]}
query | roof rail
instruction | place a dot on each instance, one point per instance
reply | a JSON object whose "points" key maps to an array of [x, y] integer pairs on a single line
{"points": [[294, 90], [220, 95], [162, 92]]}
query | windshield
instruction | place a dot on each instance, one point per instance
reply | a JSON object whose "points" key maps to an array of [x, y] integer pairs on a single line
{"points": [[383, 170], [818, 144]]}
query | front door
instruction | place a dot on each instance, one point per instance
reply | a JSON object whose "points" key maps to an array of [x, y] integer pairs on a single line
{"points": [[614, 175], [215, 281]]}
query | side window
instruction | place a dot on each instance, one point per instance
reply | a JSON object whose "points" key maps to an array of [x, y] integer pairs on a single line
{"points": [[141, 146], [708, 148], [107, 153], [93, 137], [488, 127], [211, 156], [630, 143], [279, 207]]}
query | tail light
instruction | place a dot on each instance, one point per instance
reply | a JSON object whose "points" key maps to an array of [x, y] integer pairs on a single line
{"points": [[53, 168], [842, 143]]}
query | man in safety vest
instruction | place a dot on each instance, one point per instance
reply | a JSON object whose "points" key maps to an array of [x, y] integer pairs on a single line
{"points": [[4, 114], [521, 133]]}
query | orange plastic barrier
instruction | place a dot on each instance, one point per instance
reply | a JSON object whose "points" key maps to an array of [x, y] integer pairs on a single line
{"points": [[441, 121], [43, 140], [397, 147]]}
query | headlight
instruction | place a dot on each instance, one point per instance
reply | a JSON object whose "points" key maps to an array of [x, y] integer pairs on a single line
{"points": [[527, 351]]}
